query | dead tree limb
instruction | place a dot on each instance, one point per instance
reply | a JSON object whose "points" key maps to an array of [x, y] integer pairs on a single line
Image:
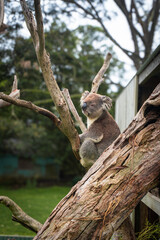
{"points": [[15, 83], [35, 26], [26, 104], [3, 26], [20, 216], [1, 12], [98, 204], [73, 110], [15, 93], [99, 77]]}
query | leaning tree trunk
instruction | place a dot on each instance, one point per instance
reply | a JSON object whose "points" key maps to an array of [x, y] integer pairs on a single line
{"points": [[98, 204]]}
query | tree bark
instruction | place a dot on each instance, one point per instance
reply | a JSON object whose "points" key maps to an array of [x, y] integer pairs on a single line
{"points": [[98, 204]]}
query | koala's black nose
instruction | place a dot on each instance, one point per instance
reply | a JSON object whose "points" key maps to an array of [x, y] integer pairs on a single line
{"points": [[84, 106]]}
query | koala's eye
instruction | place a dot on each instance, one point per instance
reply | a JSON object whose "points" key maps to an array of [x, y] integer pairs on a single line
{"points": [[92, 104]]}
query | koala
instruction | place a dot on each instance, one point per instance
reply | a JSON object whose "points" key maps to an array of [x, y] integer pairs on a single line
{"points": [[101, 131]]}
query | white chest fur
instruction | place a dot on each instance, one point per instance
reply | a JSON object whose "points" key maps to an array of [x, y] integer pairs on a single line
{"points": [[90, 121]]}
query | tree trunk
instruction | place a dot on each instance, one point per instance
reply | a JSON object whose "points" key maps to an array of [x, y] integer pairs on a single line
{"points": [[98, 204]]}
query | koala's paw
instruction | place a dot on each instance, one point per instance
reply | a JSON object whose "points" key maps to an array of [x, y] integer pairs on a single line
{"points": [[97, 139]]}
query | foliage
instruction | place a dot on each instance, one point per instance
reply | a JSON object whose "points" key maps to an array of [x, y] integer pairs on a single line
{"points": [[17, 131], [26, 199], [151, 231]]}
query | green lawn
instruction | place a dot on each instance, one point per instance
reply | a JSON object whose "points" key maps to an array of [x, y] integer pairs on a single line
{"points": [[36, 202]]}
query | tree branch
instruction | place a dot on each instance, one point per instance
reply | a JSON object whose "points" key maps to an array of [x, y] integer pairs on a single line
{"points": [[139, 19], [20, 216], [15, 93], [1, 12], [153, 19], [3, 26], [134, 32], [67, 125], [33, 107], [39, 20], [73, 110], [30, 22], [99, 77]]}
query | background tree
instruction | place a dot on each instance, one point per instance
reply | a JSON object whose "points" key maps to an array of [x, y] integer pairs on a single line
{"points": [[142, 18]]}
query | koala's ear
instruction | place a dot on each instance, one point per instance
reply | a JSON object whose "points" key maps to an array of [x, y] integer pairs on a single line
{"points": [[84, 95], [107, 102]]}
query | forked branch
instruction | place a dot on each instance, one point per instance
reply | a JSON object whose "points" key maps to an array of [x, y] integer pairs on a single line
{"points": [[3, 26], [15, 93], [20, 216]]}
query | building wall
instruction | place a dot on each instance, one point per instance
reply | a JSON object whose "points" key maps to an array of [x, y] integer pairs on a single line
{"points": [[126, 104], [138, 90]]}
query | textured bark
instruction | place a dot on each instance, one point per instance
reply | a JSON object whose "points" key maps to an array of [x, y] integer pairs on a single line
{"points": [[98, 204]]}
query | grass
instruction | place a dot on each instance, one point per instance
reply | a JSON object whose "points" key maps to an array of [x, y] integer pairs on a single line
{"points": [[36, 202], [151, 231]]}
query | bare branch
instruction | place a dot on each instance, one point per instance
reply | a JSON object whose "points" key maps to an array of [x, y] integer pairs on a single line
{"points": [[1, 12], [133, 30], [67, 125], [15, 93], [20, 216], [73, 110], [153, 19], [30, 22], [15, 83], [31, 106], [139, 19], [98, 78], [3, 26], [39, 20]]}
